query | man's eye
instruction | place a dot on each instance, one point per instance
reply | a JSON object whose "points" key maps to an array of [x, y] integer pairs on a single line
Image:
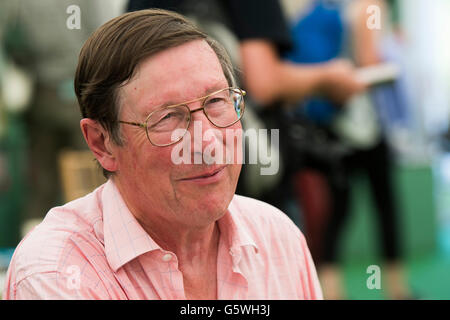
{"points": [[167, 117], [216, 101], [173, 115], [165, 120]]}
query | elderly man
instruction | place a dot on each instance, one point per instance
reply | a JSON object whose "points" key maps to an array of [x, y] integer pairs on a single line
{"points": [[161, 228]]}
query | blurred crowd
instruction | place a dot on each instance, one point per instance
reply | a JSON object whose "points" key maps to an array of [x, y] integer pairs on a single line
{"points": [[327, 73]]}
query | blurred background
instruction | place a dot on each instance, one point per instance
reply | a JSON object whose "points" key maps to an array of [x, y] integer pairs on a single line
{"points": [[44, 161]]}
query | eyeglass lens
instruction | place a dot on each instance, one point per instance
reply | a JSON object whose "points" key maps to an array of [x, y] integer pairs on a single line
{"points": [[169, 125]]}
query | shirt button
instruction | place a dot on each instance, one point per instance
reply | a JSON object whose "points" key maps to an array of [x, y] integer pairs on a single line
{"points": [[167, 257]]}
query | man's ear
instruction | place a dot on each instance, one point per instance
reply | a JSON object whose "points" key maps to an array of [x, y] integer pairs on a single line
{"points": [[100, 143]]}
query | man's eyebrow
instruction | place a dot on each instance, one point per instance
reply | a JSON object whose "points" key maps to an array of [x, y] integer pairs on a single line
{"points": [[149, 107]]}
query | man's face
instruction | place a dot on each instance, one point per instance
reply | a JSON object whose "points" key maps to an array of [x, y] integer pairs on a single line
{"points": [[146, 174]]}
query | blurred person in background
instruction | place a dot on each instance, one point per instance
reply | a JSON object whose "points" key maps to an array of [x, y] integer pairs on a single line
{"points": [[324, 31], [15, 92], [40, 40]]}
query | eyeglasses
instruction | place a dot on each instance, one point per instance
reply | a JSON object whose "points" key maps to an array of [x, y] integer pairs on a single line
{"points": [[168, 125]]}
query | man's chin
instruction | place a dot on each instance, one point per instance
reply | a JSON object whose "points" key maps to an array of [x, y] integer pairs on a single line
{"points": [[209, 208], [214, 202]]}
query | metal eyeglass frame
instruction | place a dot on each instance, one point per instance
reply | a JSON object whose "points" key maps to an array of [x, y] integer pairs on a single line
{"points": [[185, 104]]}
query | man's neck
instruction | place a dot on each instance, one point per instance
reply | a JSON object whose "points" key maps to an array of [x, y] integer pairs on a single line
{"points": [[191, 246], [196, 250]]}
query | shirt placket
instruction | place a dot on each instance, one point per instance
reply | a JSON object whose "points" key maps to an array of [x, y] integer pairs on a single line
{"points": [[232, 283]]}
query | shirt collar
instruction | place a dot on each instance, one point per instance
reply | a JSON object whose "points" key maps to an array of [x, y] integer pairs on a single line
{"points": [[125, 239], [234, 229]]}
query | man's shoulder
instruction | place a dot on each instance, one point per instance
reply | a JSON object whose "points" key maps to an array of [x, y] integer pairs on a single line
{"points": [[65, 230]]}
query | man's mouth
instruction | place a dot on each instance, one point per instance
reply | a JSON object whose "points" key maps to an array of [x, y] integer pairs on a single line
{"points": [[206, 174]]}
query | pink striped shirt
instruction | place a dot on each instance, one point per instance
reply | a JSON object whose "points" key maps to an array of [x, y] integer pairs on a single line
{"points": [[94, 248]]}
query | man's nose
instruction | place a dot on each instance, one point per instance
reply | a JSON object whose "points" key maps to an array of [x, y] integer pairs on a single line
{"points": [[198, 116], [203, 132]]}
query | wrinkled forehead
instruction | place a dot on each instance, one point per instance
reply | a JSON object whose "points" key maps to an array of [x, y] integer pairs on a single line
{"points": [[174, 75]]}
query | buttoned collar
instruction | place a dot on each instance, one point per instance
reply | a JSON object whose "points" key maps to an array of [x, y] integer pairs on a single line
{"points": [[125, 239]]}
